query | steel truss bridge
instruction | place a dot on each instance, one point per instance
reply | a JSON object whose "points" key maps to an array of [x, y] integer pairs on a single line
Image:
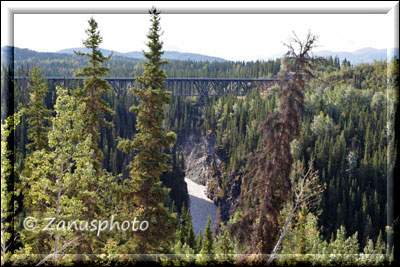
{"points": [[178, 86]]}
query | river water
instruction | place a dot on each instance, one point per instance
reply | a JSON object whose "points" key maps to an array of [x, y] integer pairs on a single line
{"points": [[200, 206]]}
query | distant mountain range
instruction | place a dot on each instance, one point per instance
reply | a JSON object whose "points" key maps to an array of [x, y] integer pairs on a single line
{"points": [[170, 55], [364, 55]]}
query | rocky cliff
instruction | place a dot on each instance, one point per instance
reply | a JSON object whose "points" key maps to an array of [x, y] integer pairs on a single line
{"points": [[205, 166], [200, 156]]}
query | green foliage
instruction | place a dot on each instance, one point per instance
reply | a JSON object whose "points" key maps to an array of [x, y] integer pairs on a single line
{"points": [[183, 255], [208, 242], [199, 242], [321, 124], [350, 146], [175, 180], [65, 65], [304, 242], [94, 87], [341, 250], [224, 248], [144, 190], [58, 180], [38, 114], [185, 231], [6, 168]]}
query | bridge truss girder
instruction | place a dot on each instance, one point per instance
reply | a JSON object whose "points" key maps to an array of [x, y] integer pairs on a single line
{"points": [[178, 86]]}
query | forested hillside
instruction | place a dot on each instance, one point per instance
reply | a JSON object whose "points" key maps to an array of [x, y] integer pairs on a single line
{"points": [[59, 64], [128, 144]]}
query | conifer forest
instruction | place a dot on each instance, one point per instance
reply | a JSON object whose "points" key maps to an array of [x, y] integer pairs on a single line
{"points": [[299, 170]]}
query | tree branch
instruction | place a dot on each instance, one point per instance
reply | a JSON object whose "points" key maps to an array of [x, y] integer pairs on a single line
{"points": [[55, 253]]}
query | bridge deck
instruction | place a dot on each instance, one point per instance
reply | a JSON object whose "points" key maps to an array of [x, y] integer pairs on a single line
{"points": [[179, 86]]}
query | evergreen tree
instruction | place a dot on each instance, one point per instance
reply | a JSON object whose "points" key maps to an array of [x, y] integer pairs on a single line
{"points": [[205, 255], [208, 245], [199, 242], [39, 115], [358, 121], [191, 236], [380, 244], [94, 87], [184, 254], [182, 225], [145, 192], [224, 247], [185, 231], [95, 110]]}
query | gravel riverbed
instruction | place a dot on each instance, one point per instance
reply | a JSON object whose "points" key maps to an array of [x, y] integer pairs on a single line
{"points": [[200, 206]]}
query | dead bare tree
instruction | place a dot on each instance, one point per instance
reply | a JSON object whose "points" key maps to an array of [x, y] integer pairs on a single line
{"points": [[267, 186]]}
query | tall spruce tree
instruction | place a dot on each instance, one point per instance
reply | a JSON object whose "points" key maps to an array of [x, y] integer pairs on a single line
{"points": [[191, 236], [182, 225], [94, 87], [208, 242], [95, 110], [38, 114], [199, 242], [205, 256], [145, 193]]}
